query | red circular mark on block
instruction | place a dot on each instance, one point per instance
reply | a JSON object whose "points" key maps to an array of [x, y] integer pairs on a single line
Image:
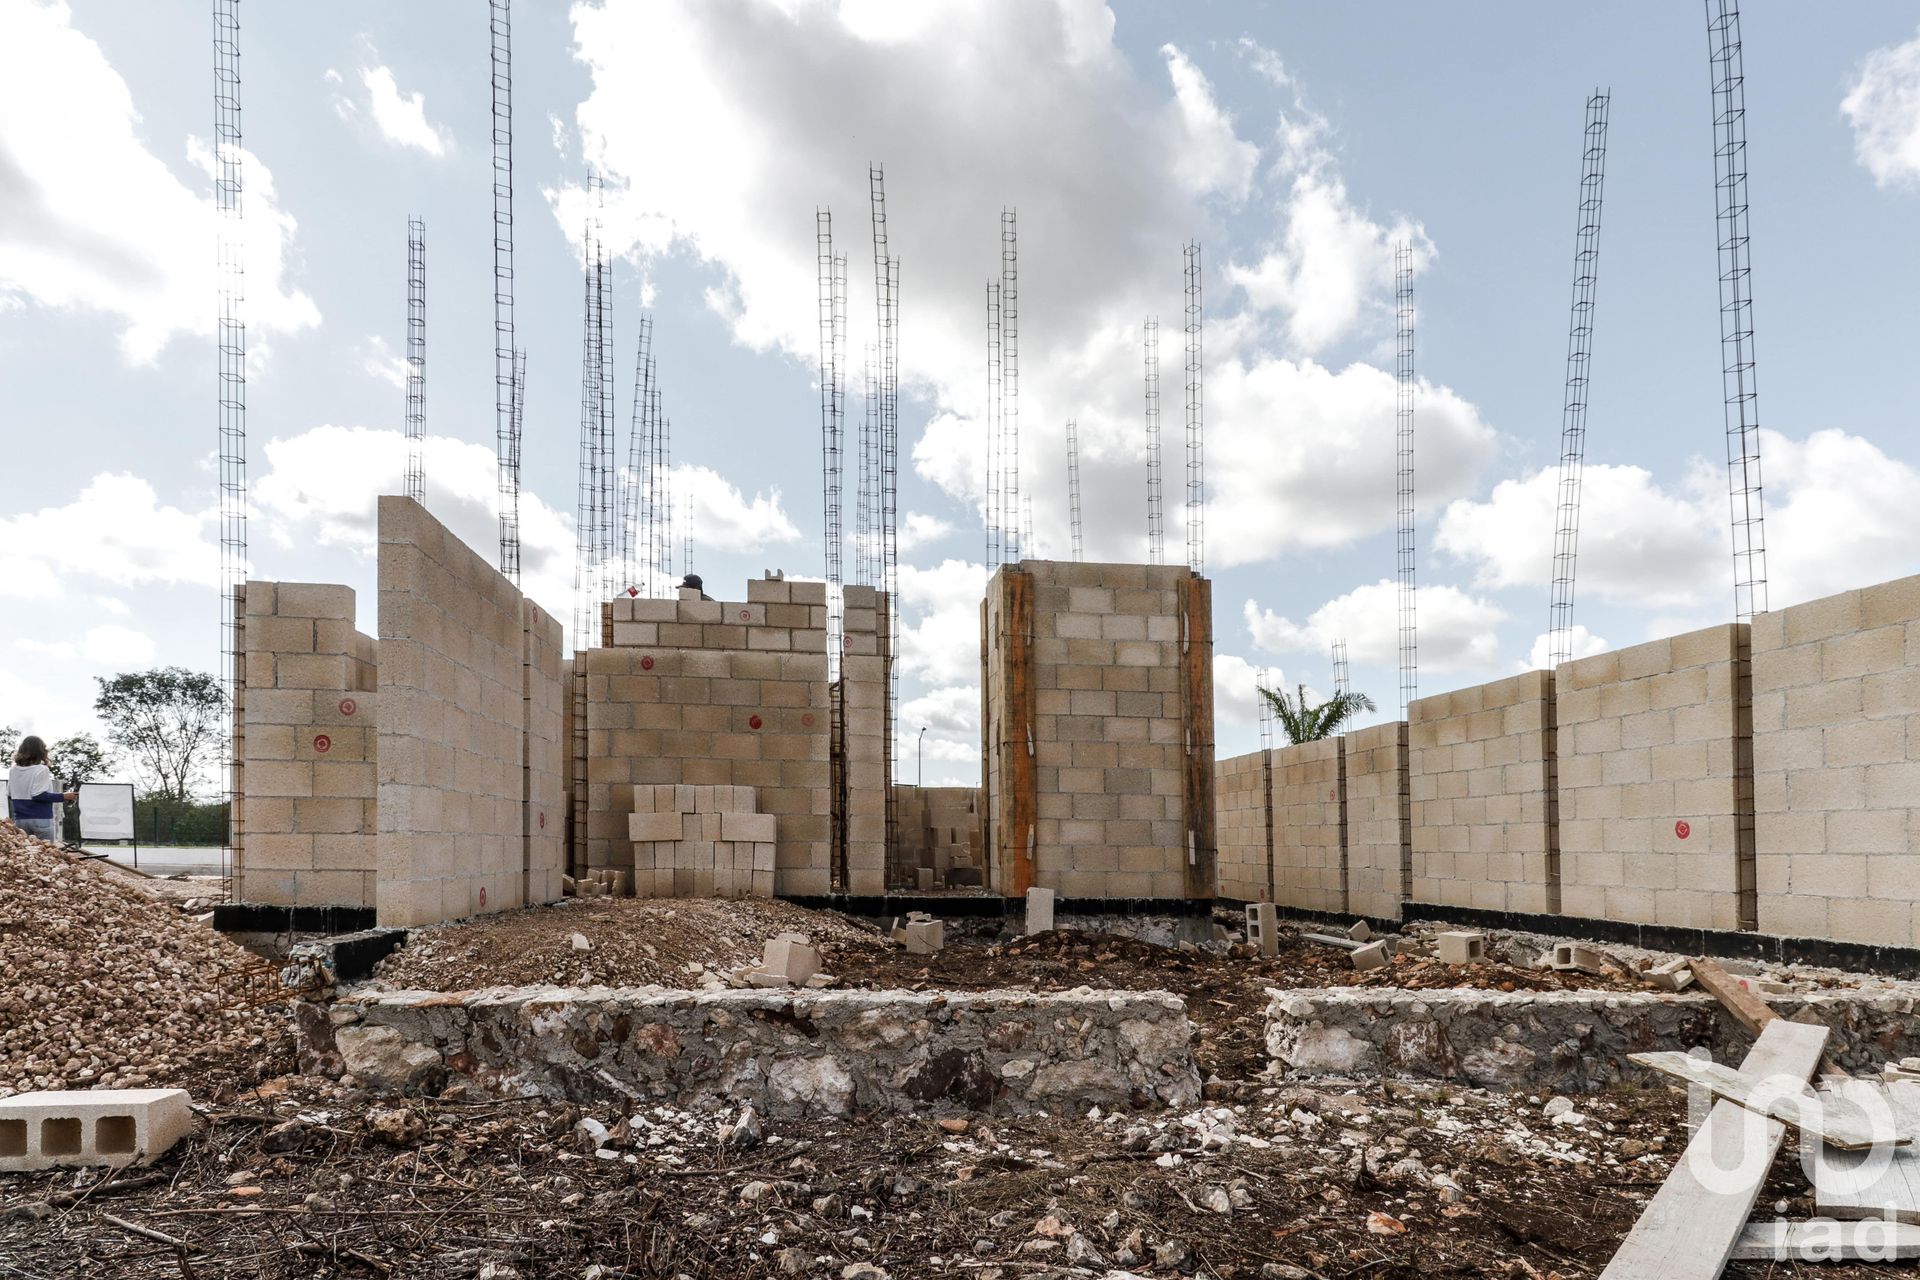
{"points": [[753, 722], [633, 591], [322, 743], [746, 615], [1683, 828], [646, 663], [483, 895], [348, 706], [807, 719], [543, 821], [1333, 793]]}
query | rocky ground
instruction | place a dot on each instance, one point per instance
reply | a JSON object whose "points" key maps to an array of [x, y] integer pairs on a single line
{"points": [[102, 984], [298, 1176], [1368, 1180]]}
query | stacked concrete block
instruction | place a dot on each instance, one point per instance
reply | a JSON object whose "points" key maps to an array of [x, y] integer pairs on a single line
{"points": [[1241, 826], [305, 716], [712, 693], [1309, 825], [1379, 821], [456, 681], [1479, 774], [940, 832], [1836, 752], [1097, 753], [866, 620], [701, 841], [1652, 803]]}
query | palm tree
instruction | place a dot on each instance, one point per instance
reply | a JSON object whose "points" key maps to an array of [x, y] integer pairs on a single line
{"points": [[1303, 722]]}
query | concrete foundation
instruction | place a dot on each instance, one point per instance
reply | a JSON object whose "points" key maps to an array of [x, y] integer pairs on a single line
{"points": [[833, 1053]]}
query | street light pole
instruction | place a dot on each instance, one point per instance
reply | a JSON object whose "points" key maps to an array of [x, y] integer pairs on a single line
{"points": [[920, 756]]}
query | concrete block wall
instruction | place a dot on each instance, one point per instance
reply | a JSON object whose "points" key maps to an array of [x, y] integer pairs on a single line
{"points": [[715, 693], [1479, 762], [305, 710], [1241, 826], [1836, 754], [455, 757], [1309, 825], [866, 620], [1653, 805], [1092, 660], [1379, 820]]}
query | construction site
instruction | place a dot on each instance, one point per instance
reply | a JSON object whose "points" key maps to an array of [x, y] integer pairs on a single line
{"points": [[614, 945]]}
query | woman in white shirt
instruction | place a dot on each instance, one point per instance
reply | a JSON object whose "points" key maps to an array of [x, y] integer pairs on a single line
{"points": [[31, 797]]}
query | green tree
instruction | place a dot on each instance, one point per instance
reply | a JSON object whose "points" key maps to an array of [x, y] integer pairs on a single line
{"points": [[170, 720], [1303, 721], [81, 757]]}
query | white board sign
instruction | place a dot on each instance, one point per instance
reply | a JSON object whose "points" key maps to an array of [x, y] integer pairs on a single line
{"points": [[106, 811]]}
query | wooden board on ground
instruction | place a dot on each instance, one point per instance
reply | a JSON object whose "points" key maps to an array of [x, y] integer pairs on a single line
{"points": [[1745, 1004], [1689, 1229], [1830, 1117], [1868, 1184], [1827, 1240]]}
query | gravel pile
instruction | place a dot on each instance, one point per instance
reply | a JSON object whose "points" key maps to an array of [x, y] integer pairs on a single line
{"points": [[614, 942], [101, 985]]}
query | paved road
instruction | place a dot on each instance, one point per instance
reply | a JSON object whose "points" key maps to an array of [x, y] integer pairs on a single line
{"points": [[166, 861]]}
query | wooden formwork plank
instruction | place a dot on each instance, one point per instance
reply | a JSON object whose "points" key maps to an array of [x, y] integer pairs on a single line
{"points": [[1690, 1228], [1833, 1119], [1872, 1184], [1019, 799], [1196, 663]]}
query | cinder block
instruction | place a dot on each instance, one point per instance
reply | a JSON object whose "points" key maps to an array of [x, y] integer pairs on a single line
{"points": [[72, 1128], [925, 937], [1039, 910], [1462, 947], [1262, 928], [790, 959]]}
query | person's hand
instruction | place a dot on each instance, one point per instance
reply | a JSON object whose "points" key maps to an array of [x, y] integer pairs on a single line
{"points": [[72, 796]]}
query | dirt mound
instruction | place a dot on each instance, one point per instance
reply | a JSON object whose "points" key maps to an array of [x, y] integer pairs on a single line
{"points": [[631, 942], [104, 985]]}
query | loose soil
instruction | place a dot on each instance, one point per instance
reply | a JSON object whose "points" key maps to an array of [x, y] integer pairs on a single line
{"points": [[305, 1179], [631, 942]]}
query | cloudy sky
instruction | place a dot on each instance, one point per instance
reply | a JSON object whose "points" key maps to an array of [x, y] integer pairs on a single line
{"points": [[1297, 143]]}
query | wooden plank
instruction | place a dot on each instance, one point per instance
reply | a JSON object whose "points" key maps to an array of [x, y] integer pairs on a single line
{"points": [[1833, 1119], [1825, 1240], [1194, 599], [1863, 1184], [1748, 1009], [1744, 1003], [1689, 1229]]}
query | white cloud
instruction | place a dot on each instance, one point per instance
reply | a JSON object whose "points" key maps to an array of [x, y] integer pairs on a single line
{"points": [[116, 531], [1883, 105], [940, 621], [1235, 701], [918, 529], [1639, 543], [1457, 632], [1313, 464], [91, 220], [401, 117], [111, 604], [1332, 267], [378, 360], [1583, 644], [724, 519], [62, 649], [1838, 516], [114, 645]]}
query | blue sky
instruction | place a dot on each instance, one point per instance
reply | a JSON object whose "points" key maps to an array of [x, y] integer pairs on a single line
{"points": [[1295, 142]]}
